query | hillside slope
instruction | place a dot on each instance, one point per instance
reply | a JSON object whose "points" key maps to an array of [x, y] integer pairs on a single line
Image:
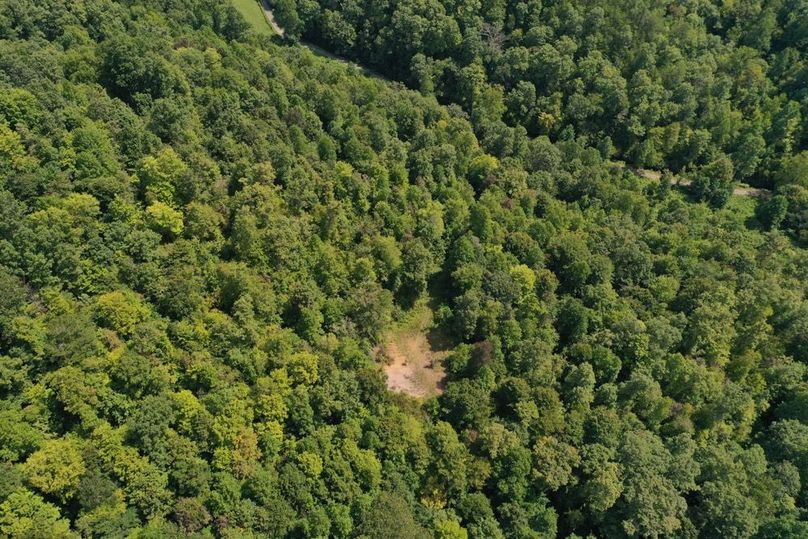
{"points": [[204, 236]]}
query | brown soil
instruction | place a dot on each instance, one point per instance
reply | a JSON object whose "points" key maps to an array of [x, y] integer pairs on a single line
{"points": [[413, 364]]}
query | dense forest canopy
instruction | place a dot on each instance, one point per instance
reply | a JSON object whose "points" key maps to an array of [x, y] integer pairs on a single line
{"points": [[204, 236], [713, 89]]}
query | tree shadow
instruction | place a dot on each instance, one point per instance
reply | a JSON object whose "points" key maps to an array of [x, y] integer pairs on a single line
{"points": [[439, 339]]}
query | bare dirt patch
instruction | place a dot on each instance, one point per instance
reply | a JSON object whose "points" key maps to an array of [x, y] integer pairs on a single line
{"points": [[413, 360], [679, 181]]}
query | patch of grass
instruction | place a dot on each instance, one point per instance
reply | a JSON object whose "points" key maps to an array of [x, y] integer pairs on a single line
{"points": [[742, 210], [742, 204], [254, 15]]}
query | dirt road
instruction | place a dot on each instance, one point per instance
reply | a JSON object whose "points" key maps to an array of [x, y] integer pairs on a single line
{"points": [[271, 19]]}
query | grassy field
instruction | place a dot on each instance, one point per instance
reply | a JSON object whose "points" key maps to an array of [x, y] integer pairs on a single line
{"points": [[254, 15]]}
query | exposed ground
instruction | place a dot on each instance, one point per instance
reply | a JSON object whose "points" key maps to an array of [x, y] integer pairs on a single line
{"points": [[741, 190], [271, 18], [413, 357]]}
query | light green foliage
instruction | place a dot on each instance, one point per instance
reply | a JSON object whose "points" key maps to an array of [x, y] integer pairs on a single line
{"points": [[165, 219], [13, 158], [481, 169], [56, 468], [18, 106], [24, 515], [524, 278], [121, 310], [160, 175], [302, 368], [311, 464], [450, 529], [604, 488], [17, 437]]}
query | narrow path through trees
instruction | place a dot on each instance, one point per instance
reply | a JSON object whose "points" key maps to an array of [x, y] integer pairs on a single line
{"points": [[271, 18], [319, 51]]}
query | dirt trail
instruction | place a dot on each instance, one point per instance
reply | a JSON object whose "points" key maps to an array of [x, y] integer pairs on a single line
{"points": [[319, 51], [271, 18]]}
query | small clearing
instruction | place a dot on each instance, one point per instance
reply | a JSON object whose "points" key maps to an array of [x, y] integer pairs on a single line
{"points": [[254, 15], [655, 175], [412, 359]]}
